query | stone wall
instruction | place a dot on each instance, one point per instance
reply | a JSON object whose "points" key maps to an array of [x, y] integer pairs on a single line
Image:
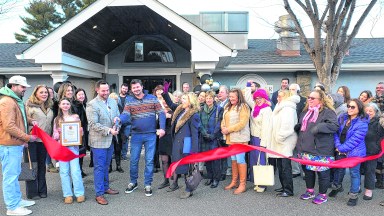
{"points": [[303, 78]]}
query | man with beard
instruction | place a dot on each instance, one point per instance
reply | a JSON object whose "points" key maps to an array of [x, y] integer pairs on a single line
{"points": [[103, 115], [13, 137], [143, 109], [121, 104], [283, 86]]}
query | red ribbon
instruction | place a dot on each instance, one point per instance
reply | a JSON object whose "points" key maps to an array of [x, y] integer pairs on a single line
{"points": [[54, 148], [234, 149]]}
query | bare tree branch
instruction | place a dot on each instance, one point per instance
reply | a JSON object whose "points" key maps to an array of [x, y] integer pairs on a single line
{"points": [[324, 14]]}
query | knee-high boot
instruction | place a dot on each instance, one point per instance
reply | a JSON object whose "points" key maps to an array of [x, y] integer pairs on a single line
{"points": [[235, 176], [118, 163], [243, 179]]}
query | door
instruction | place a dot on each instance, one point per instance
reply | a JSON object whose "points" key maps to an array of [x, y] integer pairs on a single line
{"points": [[150, 82]]}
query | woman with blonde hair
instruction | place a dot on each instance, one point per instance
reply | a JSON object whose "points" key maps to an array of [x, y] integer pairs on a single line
{"points": [[284, 138], [316, 127], [235, 128], [39, 108], [185, 134]]}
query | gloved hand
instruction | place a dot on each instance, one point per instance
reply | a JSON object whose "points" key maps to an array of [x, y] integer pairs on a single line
{"points": [[297, 127], [166, 87]]}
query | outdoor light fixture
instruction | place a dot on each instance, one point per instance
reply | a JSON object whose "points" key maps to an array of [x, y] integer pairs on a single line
{"points": [[94, 27], [175, 39], [113, 40], [169, 25]]}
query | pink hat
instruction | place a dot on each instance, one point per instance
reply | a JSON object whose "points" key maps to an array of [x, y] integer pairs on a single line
{"points": [[260, 93]]}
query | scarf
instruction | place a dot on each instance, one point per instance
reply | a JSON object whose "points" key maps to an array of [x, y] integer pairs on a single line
{"points": [[315, 111], [256, 110]]}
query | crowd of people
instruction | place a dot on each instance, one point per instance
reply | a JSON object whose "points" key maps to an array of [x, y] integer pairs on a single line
{"points": [[170, 126]]}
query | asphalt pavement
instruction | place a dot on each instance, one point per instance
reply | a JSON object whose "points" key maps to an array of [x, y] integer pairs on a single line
{"points": [[205, 201]]}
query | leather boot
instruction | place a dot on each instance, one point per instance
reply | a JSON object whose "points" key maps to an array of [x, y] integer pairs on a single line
{"points": [[118, 164], [235, 176], [243, 179]]}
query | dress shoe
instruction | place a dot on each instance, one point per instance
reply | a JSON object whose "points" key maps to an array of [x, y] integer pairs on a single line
{"points": [[101, 200], [164, 184], [34, 197], [119, 169], [284, 194], [279, 190], [110, 191], [43, 195], [223, 177], [214, 184], [208, 182], [172, 188], [296, 175]]}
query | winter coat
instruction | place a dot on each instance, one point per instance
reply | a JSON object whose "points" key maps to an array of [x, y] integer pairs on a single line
{"points": [[237, 123], [210, 130], [284, 119], [354, 145], [79, 109], [12, 123], [374, 136], [185, 128], [44, 119], [317, 139]]}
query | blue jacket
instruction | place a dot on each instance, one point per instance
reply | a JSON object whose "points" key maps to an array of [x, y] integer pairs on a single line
{"points": [[354, 145]]}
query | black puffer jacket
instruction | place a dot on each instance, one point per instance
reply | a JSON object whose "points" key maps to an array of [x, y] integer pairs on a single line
{"points": [[374, 136], [317, 139]]}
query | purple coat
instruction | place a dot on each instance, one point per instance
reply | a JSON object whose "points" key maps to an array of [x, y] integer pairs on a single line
{"points": [[354, 145]]}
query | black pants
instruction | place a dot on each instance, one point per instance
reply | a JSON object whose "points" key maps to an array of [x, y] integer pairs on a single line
{"points": [[369, 176], [285, 174], [214, 169], [38, 154], [223, 161], [323, 177]]}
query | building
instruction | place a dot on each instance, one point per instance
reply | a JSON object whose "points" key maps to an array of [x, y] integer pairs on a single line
{"points": [[121, 40]]}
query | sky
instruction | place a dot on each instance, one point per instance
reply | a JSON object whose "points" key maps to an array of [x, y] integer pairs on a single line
{"points": [[262, 15]]}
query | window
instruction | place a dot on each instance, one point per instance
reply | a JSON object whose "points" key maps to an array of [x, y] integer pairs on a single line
{"points": [[148, 50]]}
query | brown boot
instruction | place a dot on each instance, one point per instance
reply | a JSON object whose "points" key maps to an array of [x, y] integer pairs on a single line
{"points": [[235, 176], [243, 179]]}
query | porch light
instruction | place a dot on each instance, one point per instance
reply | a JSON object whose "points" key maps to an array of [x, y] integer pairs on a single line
{"points": [[175, 39], [113, 40], [94, 27], [169, 25]]}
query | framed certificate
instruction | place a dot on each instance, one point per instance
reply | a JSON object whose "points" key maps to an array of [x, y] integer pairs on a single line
{"points": [[70, 133]]}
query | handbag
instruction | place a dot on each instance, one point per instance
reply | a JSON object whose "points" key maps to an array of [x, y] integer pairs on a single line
{"points": [[263, 174], [193, 178], [28, 170]]}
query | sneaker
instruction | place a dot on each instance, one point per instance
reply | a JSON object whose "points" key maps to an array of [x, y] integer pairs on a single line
{"points": [[148, 191], [308, 195], [26, 203], [320, 199], [131, 187], [19, 211]]}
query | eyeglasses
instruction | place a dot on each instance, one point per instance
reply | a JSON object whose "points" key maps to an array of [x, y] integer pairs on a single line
{"points": [[311, 98], [350, 107]]}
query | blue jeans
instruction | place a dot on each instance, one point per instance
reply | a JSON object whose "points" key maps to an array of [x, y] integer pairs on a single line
{"points": [[355, 178], [10, 157], [101, 160], [71, 168], [149, 142], [240, 158], [124, 148]]}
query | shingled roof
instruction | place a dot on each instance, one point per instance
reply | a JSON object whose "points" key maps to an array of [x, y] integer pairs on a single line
{"points": [[263, 51], [8, 58]]}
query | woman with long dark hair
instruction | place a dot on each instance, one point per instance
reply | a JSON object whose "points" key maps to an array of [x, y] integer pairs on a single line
{"points": [[79, 105], [350, 142], [235, 128]]}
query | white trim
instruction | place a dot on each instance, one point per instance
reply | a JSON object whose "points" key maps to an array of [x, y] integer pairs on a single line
{"points": [[81, 63], [298, 67], [256, 78], [71, 70], [22, 70], [148, 71]]}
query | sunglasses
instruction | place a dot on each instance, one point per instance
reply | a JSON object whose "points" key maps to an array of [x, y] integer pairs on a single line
{"points": [[350, 107], [311, 98]]}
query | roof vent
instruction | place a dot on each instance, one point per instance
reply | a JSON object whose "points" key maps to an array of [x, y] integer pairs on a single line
{"points": [[289, 43]]}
